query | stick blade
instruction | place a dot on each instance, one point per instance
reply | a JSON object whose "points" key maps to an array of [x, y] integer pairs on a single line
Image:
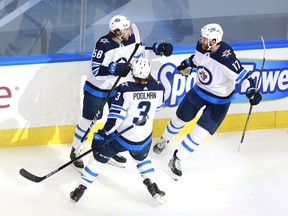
{"points": [[136, 33], [30, 176]]}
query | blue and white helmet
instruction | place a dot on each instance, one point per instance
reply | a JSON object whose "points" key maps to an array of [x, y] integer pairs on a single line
{"points": [[119, 22], [212, 31], [141, 68]]}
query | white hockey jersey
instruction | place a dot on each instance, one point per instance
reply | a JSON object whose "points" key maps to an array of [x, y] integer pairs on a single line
{"points": [[217, 73], [106, 51], [132, 102]]}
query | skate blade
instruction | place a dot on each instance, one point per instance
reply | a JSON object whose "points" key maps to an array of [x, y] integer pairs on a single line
{"points": [[73, 201], [157, 151], [113, 163], [79, 170], [160, 199], [173, 175]]}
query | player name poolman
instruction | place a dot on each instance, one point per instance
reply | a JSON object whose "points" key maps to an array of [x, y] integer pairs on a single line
{"points": [[144, 95]]}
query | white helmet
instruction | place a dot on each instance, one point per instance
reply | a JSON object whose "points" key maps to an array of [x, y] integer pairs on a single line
{"points": [[141, 68], [212, 31], [119, 22]]}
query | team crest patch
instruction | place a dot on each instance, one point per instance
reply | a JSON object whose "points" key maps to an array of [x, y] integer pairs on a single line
{"points": [[204, 75], [104, 40], [226, 53]]}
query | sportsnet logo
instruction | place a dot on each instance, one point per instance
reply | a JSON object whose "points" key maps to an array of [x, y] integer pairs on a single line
{"points": [[274, 82], [273, 85]]}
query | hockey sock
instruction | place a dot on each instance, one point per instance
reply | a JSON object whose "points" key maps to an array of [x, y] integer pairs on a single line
{"points": [[173, 127], [90, 172], [191, 142], [145, 168], [79, 133]]}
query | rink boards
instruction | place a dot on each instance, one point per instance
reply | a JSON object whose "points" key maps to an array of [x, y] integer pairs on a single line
{"points": [[41, 98]]}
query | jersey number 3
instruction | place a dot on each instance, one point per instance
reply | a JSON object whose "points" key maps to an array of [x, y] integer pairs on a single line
{"points": [[144, 108]]}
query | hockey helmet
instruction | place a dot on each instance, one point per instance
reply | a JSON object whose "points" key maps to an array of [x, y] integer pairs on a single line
{"points": [[141, 68], [119, 22], [212, 31]]}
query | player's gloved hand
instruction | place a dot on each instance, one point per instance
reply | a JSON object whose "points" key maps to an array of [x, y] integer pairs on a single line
{"points": [[186, 66], [120, 69], [253, 95], [98, 140], [165, 49]]}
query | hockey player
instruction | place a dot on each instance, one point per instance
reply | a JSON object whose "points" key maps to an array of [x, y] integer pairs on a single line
{"points": [[133, 100], [218, 70], [108, 62]]}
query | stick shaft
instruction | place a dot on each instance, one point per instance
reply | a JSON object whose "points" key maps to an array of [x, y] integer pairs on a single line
{"points": [[257, 86], [37, 179]]}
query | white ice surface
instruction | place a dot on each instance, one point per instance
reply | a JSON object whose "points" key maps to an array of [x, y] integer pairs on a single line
{"points": [[217, 181]]}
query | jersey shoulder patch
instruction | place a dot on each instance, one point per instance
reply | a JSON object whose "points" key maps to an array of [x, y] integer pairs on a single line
{"points": [[225, 55], [105, 43], [123, 85]]}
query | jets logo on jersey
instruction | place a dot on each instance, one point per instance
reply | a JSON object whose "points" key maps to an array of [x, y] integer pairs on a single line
{"points": [[104, 40], [204, 75], [226, 53]]}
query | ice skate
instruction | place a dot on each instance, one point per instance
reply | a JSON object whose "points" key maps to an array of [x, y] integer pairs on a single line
{"points": [[155, 192], [77, 193], [160, 146], [78, 164], [175, 167], [118, 161]]}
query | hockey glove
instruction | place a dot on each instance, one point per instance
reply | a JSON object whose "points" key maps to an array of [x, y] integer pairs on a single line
{"points": [[120, 69], [165, 49], [98, 140], [186, 66], [253, 95]]}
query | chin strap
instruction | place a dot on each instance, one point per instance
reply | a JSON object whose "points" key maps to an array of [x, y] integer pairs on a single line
{"points": [[117, 35]]}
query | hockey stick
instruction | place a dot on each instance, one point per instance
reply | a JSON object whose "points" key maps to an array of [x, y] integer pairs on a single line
{"points": [[37, 179], [257, 85], [137, 40]]}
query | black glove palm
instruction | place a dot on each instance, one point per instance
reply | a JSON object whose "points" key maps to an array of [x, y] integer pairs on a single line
{"points": [[120, 69], [165, 49], [253, 95]]}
